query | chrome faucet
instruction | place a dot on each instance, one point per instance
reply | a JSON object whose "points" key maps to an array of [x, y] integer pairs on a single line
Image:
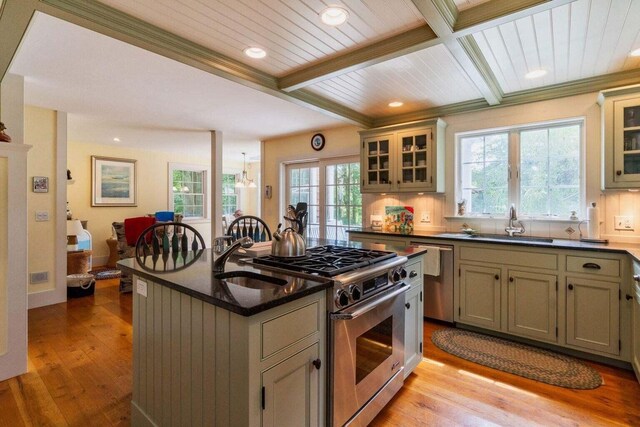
{"points": [[512, 229], [221, 259]]}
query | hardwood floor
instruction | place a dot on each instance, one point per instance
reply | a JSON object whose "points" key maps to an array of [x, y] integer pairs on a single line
{"points": [[448, 391], [80, 375]]}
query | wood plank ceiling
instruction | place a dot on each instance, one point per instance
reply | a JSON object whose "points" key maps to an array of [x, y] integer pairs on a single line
{"points": [[436, 56]]}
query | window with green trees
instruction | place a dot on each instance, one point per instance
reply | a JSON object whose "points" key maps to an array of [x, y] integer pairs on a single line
{"points": [[229, 195], [536, 168], [338, 206], [188, 192]]}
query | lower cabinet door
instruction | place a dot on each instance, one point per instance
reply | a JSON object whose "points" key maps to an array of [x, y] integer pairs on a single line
{"points": [[532, 305], [480, 296], [635, 356], [290, 391], [413, 329], [593, 314]]}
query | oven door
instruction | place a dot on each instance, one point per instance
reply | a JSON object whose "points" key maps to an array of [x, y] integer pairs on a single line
{"points": [[367, 352]]}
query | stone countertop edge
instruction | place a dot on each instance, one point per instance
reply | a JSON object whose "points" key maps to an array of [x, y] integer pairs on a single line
{"points": [[197, 281], [629, 248]]}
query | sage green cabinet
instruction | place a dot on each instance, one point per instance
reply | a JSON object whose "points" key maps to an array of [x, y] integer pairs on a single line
{"points": [[533, 304], [403, 158], [413, 320], [479, 303], [291, 391], [593, 314], [621, 133]]}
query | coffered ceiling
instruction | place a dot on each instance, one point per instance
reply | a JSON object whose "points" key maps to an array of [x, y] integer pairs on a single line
{"points": [[435, 56]]}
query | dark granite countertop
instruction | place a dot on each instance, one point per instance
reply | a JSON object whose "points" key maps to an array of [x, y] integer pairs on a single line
{"points": [[631, 249], [198, 280]]}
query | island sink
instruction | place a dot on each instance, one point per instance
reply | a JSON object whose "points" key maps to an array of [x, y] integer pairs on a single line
{"points": [[250, 279]]}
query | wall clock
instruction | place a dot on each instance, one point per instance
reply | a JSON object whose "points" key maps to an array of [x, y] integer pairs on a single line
{"points": [[317, 141]]}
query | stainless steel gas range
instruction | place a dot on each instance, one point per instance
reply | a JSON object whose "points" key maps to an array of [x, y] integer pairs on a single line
{"points": [[366, 326]]}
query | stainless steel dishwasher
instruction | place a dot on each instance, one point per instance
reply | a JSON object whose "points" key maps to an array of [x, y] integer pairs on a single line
{"points": [[438, 290]]}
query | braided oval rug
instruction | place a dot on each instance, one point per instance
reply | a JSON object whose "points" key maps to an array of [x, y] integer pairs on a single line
{"points": [[519, 359]]}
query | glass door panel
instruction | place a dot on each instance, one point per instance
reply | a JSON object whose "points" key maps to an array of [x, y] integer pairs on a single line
{"points": [[377, 162]]}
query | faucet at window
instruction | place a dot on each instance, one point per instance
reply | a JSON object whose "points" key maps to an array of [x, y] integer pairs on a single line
{"points": [[512, 230]]}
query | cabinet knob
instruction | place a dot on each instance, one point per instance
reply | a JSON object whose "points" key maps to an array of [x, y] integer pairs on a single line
{"points": [[570, 287], [636, 277], [317, 363], [412, 274], [408, 305], [511, 279], [618, 173], [398, 181], [628, 297], [497, 277]]}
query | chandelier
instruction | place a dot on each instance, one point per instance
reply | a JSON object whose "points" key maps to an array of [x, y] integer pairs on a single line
{"points": [[244, 181]]}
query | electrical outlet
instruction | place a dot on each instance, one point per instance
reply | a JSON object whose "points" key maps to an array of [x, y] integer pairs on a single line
{"points": [[623, 222], [425, 216], [141, 287], [42, 216]]}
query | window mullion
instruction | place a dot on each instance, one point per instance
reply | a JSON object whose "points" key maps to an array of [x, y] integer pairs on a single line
{"points": [[514, 164]]}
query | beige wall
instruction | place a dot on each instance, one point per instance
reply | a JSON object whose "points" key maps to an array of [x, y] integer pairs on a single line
{"points": [[40, 132], [152, 175], [4, 211], [342, 141]]}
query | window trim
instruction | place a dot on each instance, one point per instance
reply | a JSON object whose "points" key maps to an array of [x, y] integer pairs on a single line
{"points": [[514, 158], [171, 167]]}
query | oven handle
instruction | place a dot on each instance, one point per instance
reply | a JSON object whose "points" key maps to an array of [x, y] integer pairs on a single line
{"points": [[369, 305]]}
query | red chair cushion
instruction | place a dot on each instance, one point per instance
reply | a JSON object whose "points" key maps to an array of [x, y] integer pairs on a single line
{"points": [[133, 227]]}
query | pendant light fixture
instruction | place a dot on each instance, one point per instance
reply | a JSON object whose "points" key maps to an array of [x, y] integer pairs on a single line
{"points": [[244, 181]]}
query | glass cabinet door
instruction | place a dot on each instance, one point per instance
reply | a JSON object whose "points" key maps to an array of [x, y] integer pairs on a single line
{"points": [[378, 162], [627, 140], [415, 151]]}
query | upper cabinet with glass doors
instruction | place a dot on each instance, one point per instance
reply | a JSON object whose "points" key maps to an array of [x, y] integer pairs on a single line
{"points": [[621, 133], [403, 158]]}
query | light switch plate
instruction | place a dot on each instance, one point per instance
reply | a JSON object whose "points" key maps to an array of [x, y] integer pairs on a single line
{"points": [[623, 222], [425, 216], [141, 287], [42, 216]]}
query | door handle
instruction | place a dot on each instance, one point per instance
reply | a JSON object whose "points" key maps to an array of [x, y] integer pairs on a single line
{"points": [[370, 305]]}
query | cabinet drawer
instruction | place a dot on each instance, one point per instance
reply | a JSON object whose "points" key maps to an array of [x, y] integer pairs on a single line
{"points": [[414, 271], [592, 265], [285, 330], [511, 257]]}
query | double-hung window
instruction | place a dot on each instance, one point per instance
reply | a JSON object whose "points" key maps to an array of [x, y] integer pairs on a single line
{"points": [[537, 168], [331, 189], [229, 195], [188, 193]]}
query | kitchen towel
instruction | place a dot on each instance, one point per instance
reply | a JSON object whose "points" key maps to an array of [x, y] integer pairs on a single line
{"points": [[431, 260]]}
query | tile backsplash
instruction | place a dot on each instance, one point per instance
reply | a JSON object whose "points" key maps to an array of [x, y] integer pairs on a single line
{"points": [[441, 216]]}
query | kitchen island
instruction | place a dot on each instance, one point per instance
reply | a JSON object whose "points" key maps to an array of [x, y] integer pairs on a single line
{"points": [[232, 351]]}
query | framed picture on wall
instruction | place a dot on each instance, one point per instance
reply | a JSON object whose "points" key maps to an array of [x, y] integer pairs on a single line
{"points": [[40, 184], [113, 182]]}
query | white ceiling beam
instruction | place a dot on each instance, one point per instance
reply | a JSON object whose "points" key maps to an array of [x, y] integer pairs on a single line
{"points": [[15, 16], [384, 50], [440, 15]]}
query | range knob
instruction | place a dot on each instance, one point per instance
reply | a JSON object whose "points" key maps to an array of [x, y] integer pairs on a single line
{"points": [[342, 298], [398, 275], [355, 292]]}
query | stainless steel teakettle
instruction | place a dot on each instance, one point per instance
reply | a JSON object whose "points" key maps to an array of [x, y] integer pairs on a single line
{"points": [[287, 243]]}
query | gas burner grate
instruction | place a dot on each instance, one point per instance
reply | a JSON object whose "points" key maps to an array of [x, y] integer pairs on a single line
{"points": [[328, 260]]}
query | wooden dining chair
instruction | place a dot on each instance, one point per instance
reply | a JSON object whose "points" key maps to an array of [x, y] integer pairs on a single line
{"points": [[177, 241], [251, 226]]}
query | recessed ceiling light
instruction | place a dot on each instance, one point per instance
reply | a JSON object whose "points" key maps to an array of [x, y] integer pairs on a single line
{"points": [[395, 104], [334, 15], [255, 52], [116, 139], [635, 52], [535, 74]]}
